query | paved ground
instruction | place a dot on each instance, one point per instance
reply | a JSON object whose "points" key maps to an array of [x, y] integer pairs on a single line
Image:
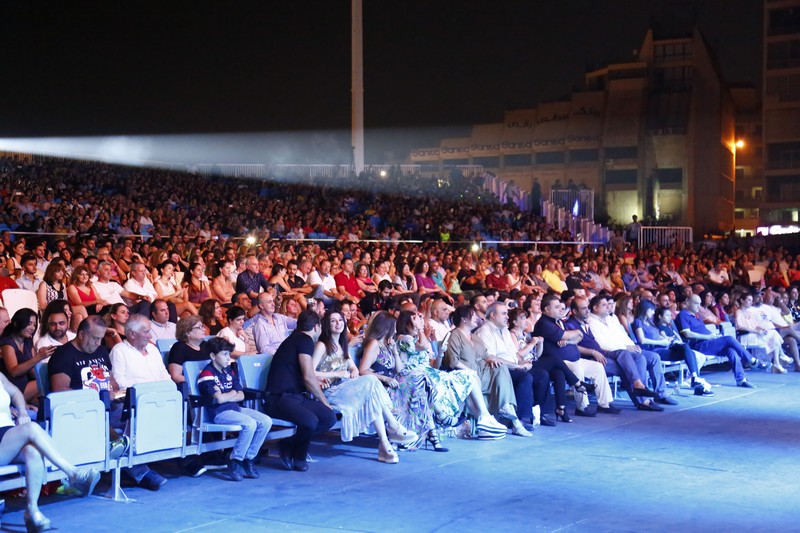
{"points": [[725, 463]]}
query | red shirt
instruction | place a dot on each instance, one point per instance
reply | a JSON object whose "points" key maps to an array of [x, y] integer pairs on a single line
{"points": [[348, 282], [493, 281]]}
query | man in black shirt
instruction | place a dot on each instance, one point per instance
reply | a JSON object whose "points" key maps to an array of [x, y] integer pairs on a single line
{"points": [[294, 394]]}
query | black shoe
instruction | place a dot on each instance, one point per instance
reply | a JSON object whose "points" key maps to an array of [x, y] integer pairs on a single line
{"points": [[746, 385], [196, 469], [563, 416], [699, 390], [645, 393], [300, 466], [582, 386], [153, 481], [610, 410], [235, 471], [287, 461], [649, 407], [544, 421], [666, 400], [249, 469], [584, 412]]}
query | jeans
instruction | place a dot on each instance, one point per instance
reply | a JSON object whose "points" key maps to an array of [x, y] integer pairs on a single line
{"points": [[726, 347], [311, 417], [255, 426]]}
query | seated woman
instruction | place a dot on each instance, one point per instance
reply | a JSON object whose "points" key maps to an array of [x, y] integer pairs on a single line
{"points": [[654, 332], [53, 285], [218, 382], [464, 354], [211, 315], [720, 307], [364, 279], [190, 333], [758, 333], [706, 313], [279, 280], [29, 444], [235, 334], [168, 290], [407, 391], [116, 319], [196, 285], [18, 355], [362, 400], [449, 392], [81, 295]]}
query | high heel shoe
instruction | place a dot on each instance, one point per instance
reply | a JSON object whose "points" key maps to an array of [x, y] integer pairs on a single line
{"points": [[36, 522], [584, 387], [435, 441], [388, 456], [561, 414], [401, 435]]}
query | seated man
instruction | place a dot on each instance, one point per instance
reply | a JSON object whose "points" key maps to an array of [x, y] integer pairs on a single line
{"points": [[699, 338], [439, 321], [569, 351], [296, 281], [55, 327], [138, 292], [135, 359], [84, 363], [294, 394], [251, 280], [376, 301], [160, 326], [323, 284], [29, 279], [270, 329], [604, 338], [346, 282]]}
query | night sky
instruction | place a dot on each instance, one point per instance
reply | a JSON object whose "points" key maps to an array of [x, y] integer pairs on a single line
{"points": [[431, 68]]}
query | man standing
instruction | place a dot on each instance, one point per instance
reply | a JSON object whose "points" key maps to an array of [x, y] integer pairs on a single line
{"points": [[294, 393]]}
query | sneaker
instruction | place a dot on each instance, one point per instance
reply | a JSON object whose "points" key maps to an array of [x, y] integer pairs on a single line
{"points": [[153, 481], [786, 359], [698, 381], [118, 448], [235, 471], [85, 480], [249, 469], [746, 384]]}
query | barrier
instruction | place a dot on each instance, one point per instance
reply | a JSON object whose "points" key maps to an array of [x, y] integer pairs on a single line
{"points": [[578, 202], [666, 236]]}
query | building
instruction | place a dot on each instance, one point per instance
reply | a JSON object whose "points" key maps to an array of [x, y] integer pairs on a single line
{"points": [[653, 136], [781, 114]]}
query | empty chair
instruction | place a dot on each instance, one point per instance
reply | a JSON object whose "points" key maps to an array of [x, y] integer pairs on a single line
{"points": [[16, 299], [78, 422], [157, 418]]}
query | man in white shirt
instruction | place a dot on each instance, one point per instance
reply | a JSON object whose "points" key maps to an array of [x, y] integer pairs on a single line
{"points": [[610, 335], [439, 321], [323, 284], [108, 291], [136, 360], [28, 280], [56, 329], [160, 326], [718, 276], [139, 291]]}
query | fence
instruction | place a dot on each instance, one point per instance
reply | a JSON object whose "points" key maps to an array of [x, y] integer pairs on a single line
{"points": [[585, 230], [579, 202], [666, 236]]}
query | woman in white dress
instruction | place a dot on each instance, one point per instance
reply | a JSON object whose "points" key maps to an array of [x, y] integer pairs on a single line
{"points": [[362, 400]]}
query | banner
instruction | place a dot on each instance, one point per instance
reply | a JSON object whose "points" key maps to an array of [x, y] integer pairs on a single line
{"points": [[550, 132], [485, 140], [517, 135], [586, 117]]}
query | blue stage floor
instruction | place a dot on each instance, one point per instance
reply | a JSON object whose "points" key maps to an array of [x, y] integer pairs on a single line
{"points": [[725, 464]]}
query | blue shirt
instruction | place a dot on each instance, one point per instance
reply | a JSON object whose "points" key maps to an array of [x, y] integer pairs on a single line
{"points": [[248, 282], [686, 320], [588, 341], [547, 328]]}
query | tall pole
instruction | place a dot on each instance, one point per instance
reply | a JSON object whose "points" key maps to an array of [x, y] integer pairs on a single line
{"points": [[357, 83]]}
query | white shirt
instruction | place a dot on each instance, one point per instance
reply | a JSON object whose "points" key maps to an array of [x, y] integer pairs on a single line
{"points": [[109, 291], [145, 289], [47, 340], [440, 329], [327, 282], [610, 334], [498, 342], [162, 331], [239, 344], [129, 366]]}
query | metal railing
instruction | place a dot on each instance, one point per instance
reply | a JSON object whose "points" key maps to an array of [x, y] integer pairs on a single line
{"points": [[579, 202], [666, 236]]}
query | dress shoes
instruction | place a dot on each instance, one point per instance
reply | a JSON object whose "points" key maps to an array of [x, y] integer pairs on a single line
{"points": [[649, 407], [610, 410], [644, 393], [585, 412], [544, 421], [300, 466], [746, 384], [666, 400]]}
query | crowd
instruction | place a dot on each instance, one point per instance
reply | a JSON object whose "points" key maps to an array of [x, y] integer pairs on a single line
{"points": [[405, 341]]}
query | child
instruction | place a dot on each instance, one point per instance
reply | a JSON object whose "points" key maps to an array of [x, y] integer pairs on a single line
{"points": [[219, 382]]}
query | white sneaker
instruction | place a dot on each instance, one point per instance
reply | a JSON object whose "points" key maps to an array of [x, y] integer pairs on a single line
{"points": [[786, 359], [700, 381], [520, 430]]}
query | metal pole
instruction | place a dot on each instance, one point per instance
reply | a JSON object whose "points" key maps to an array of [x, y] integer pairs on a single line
{"points": [[357, 87]]}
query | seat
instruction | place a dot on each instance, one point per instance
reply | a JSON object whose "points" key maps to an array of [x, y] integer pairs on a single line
{"points": [[78, 422], [157, 418], [164, 346], [16, 299], [42, 378], [253, 372], [201, 424]]}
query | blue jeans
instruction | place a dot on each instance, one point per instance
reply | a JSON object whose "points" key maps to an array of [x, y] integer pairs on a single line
{"points": [[727, 347], [255, 426]]}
